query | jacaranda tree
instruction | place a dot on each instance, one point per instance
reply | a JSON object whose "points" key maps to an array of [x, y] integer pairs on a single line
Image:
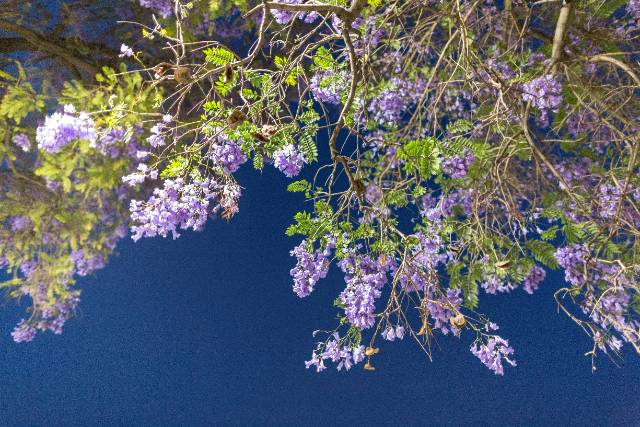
{"points": [[454, 148]]}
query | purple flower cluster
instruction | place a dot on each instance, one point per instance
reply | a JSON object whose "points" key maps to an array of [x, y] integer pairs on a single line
{"points": [[227, 154], [492, 353], [125, 51], [156, 139], [371, 34], [390, 105], [345, 356], [364, 278], [289, 160], [544, 92], [533, 279], [493, 285], [86, 264], [571, 259], [463, 198], [373, 194], [177, 205], [61, 128], [326, 86], [609, 198], [285, 16], [162, 7], [458, 166], [19, 223], [140, 175], [310, 268], [443, 308], [23, 332], [51, 317], [107, 143], [390, 333], [21, 140]]}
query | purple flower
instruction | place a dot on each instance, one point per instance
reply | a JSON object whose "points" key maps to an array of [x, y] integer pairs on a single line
{"points": [[60, 129], [309, 269], [373, 194], [177, 205], [162, 7], [493, 284], [19, 222], [533, 280], [21, 140], [364, 278], [492, 353], [327, 86], [571, 258], [125, 51], [289, 160], [227, 154], [458, 166], [284, 16], [544, 92], [156, 139], [86, 264], [23, 332], [443, 308]]}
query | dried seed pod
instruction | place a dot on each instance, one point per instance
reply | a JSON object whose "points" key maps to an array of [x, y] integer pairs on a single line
{"points": [[458, 321], [161, 68], [236, 118], [269, 130], [260, 137], [503, 264], [369, 367], [370, 351], [182, 74], [265, 133], [228, 73]]}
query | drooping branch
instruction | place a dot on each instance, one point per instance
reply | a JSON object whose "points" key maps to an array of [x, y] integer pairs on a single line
{"points": [[41, 43], [560, 32]]}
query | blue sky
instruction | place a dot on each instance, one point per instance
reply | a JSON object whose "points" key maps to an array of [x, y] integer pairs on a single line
{"points": [[206, 330]]}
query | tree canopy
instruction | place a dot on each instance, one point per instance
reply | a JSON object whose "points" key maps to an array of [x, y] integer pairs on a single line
{"points": [[444, 151]]}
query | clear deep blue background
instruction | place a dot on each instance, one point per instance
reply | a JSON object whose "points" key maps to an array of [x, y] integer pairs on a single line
{"points": [[206, 330]]}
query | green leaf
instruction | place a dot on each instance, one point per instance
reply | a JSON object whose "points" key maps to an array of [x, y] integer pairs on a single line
{"points": [[543, 252], [218, 56]]}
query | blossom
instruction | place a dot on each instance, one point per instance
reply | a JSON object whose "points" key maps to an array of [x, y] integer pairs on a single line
{"points": [[364, 278], [493, 352], [227, 154], [60, 129], [309, 269], [23, 332], [458, 166], [533, 279], [326, 86], [544, 92], [162, 7], [125, 51], [177, 205], [289, 160], [21, 140]]}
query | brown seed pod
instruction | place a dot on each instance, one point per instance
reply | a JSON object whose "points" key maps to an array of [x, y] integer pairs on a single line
{"points": [[260, 137], [269, 130], [369, 367], [370, 351], [503, 264], [161, 68], [236, 118], [458, 321], [265, 133], [228, 73], [182, 75]]}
